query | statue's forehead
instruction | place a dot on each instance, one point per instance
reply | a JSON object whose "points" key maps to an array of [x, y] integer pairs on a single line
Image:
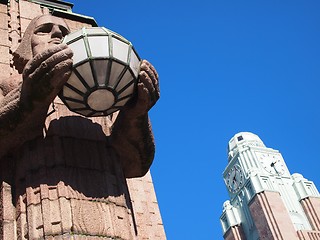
{"points": [[50, 19]]}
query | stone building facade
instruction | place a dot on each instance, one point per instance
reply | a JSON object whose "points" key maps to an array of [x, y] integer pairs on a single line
{"points": [[37, 201], [266, 201]]}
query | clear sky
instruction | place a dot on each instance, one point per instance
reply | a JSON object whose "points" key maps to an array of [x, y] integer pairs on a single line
{"points": [[225, 66]]}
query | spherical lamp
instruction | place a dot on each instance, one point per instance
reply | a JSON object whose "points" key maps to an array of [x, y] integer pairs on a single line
{"points": [[105, 72]]}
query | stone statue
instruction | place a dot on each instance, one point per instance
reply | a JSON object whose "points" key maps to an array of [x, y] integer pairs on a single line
{"points": [[70, 178]]}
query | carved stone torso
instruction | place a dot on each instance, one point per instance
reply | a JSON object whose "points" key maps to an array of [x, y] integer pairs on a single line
{"points": [[70, 182]]}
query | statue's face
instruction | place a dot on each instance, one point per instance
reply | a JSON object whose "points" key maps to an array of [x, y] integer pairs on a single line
{"points": [[48, 31]]}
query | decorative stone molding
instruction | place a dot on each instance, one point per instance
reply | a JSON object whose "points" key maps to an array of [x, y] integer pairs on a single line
{"points": [[14, 30]]}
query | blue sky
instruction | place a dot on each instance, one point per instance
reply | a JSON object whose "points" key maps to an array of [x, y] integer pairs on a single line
{"points": [[225, 66]]}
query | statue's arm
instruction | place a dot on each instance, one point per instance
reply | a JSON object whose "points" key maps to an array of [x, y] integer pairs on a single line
{"points": [[11, 114], [132, 135], [9, 105], [24, 106]]}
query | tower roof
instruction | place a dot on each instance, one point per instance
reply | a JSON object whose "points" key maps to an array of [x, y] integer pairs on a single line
{"points": [[244, 138]]}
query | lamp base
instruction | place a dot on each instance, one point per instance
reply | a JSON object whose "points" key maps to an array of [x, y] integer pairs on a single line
{"points": [[101, 100]]}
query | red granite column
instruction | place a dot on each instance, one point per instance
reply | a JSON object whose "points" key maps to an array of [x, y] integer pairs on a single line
{"points": [[271, 217], [311, 207], [234, 233]]}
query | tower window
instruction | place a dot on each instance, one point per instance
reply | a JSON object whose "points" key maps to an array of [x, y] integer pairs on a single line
{"points": [[240, 138]]}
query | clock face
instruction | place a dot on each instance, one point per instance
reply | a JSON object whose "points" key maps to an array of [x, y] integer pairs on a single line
{"points": [[234, 179], [272, 163]]}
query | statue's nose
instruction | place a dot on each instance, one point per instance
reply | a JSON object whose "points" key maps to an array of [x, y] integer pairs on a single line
{"points": [[56, 32]]}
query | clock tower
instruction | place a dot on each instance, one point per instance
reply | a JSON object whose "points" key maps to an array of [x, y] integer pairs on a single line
{"points": [[266, 200]]}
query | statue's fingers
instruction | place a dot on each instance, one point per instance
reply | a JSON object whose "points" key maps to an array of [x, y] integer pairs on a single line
{"points": [[39, 59], [143, 93], [149, 69], [145, 79], [157, 83], [149, 89], [152, 69], [61, 73], [52, 82], [50, 64]]}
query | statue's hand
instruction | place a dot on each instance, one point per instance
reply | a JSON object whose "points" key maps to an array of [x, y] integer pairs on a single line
{"points": [[148, 91], [45, 74]]}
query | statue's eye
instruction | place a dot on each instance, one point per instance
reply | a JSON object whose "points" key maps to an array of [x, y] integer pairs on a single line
{"points": [[64, 30], [43, 29]]}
